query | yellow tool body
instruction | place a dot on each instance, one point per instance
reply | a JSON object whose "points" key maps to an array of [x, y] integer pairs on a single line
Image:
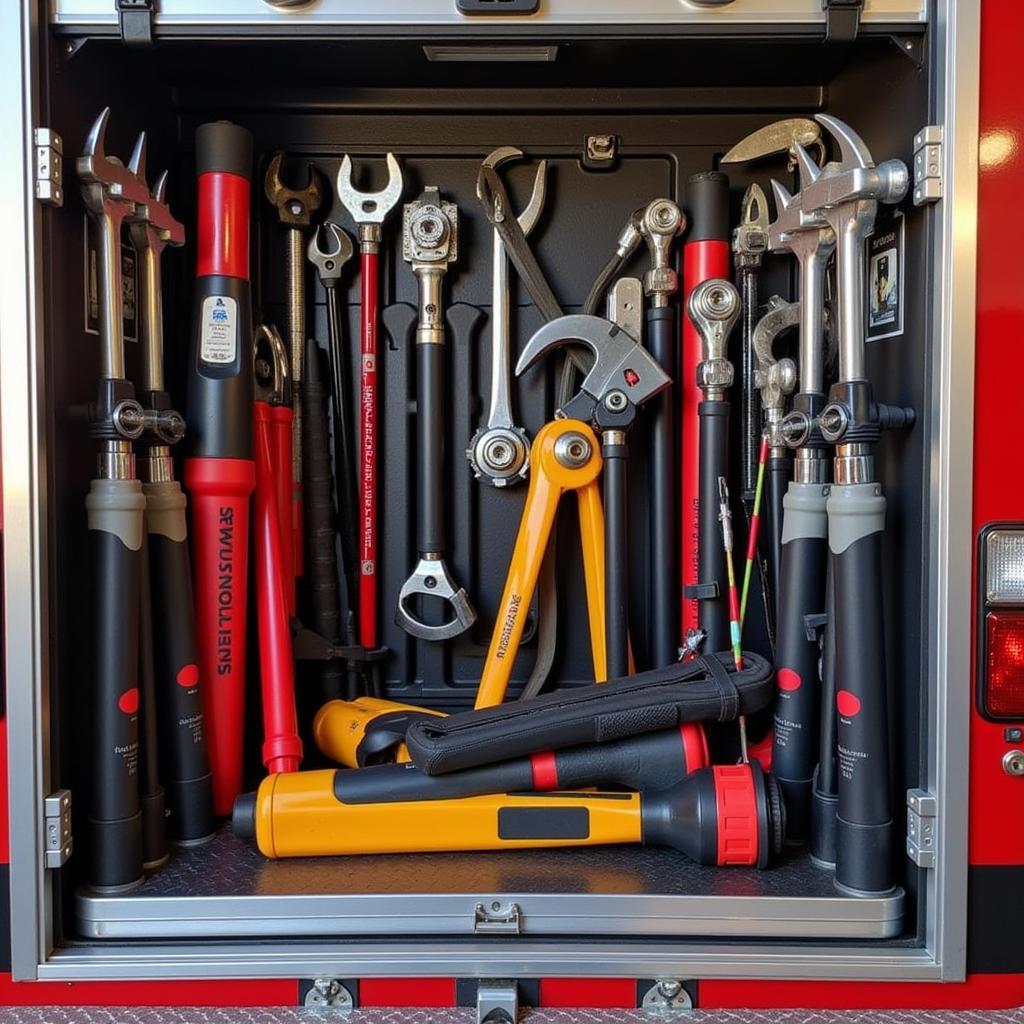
{"points": [[366, 730]]}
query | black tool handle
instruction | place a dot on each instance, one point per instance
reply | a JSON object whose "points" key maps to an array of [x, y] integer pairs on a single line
{"points": [[826, 781], [663, 525], [616, 554], [115, 510], [778, 471], [151, 793], [184, 762], [321, 559], [430, 415], [865, 834], [711, 568]]}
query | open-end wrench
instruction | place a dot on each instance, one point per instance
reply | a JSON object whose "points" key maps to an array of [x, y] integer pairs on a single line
{"points": [[499, 452], [368, 210], [430, 239]]}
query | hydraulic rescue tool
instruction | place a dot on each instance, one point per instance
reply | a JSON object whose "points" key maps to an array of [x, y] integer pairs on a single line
{"points": [[368, 730], [725, 815], [847, 193], [273, 423], [430, 242], [661, 224], [220, 474], [713, 309], [705, 257], [499, 452], [180, 732], [802, 539], [566, 457], [368, 210], [295, 209], [115, 506], [343, 514]]}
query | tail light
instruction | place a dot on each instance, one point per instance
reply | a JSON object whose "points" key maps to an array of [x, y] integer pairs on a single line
{"points": [[1001, 621]]}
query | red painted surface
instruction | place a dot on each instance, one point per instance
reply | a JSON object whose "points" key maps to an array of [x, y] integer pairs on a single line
{"points": [[252, 992], [222, 246], [544, 769], [434, 992], [736, 803], [600, 993], [695, 746]]}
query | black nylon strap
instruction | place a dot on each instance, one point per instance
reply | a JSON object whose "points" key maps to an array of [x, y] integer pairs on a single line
{"points": [[727, 690]]}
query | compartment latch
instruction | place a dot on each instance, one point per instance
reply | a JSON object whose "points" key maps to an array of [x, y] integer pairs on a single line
{"points": [[497, 917], [928, 165], [57, 843], [667, 997], [922, 812], [136, 20], [497, 1002], [49, 149], [842, 19]]}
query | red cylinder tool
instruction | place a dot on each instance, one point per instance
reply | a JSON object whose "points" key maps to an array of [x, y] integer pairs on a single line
{"points": [[219, 474], [272, 436], [706, 255]]}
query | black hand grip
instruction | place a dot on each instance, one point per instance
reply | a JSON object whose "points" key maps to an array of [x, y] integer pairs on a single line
{"points": [[184, 762], [826, 782], [430, 415], [707, 207], [321, 560], [713, 613], [616, 558], [895, 417], [663, 563], [778, 471], [225, 147]]}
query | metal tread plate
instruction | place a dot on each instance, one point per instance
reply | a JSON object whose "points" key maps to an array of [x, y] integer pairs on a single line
{"points": [[226, 889]]}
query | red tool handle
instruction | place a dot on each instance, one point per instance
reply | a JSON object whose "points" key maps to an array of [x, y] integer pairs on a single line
{"points": [[282, 748], [280, 432], [368, 456]]}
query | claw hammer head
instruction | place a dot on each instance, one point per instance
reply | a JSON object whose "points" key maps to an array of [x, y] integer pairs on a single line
{"points": [[368, 209], [329, 263], [107, 185], [295, 207], [153, 225], [531, 213]]}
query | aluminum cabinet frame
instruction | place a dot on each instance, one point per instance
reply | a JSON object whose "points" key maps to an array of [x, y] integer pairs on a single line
{"points": [[951, 260]]}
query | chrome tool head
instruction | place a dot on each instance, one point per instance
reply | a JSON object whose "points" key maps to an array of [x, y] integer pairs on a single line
{"points": [[778, 137], [531, 213], [329, 263], [106, 182], [369, 207]]}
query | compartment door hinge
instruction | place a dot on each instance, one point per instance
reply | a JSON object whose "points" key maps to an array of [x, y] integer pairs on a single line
{"points": [[928, 165], [497, 917], [842, 19], [922, 811], [49, 166], [57, 843], [136, 20]]}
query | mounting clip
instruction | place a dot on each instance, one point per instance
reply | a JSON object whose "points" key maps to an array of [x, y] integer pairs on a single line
{"points": [[136, 21], [842, 19]]}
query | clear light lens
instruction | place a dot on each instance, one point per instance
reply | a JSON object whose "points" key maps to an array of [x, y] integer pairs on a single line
{"points": [[1004, 567], [1004, 689]]}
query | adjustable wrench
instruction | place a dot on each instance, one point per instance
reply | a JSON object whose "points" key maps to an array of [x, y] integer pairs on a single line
{"points": [[368, 210], [500, 451], [295, 209], [430, 239]]}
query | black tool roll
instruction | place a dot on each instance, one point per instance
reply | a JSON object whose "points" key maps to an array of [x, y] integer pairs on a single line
{"points": [[708, 689]]}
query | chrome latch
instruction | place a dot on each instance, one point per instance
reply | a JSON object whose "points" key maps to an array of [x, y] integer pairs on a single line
{"points": [[329, 994], [49, 149], [667, 998], [922, 812], [928, 165], [497, 917], [57, 843], [497, 1002]]}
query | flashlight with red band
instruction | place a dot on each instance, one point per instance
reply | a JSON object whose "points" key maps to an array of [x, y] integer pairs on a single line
{"points": [[219, 473], [706, 255]]}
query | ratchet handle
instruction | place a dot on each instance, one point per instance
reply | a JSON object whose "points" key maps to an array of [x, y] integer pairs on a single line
{"points": [[430, 447], [368, 449], [282, 748], [115, 519]]}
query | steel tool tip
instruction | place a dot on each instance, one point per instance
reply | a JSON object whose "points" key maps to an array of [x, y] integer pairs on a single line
{"points": [[851, 146], [137, 163], [755, 206], [783, 199], [97, 134], [160, 188], [808, 170]]}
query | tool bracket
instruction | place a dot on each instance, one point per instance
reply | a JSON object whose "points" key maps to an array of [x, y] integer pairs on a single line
{"points": [[135, 19], [922, 811]]}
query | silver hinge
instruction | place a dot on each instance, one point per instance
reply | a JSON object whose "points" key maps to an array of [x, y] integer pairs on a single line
{"points": [[497, 1002], [922, 809], [928, 165], [667, 998], [503, 918], [49, 149], [329, 994], [57, 843]]}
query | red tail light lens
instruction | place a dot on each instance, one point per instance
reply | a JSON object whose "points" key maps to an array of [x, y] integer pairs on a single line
{"points": [[1004, 685]]}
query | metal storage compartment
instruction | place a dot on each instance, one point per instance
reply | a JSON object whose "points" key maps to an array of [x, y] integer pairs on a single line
{"points": [[677, 83]]}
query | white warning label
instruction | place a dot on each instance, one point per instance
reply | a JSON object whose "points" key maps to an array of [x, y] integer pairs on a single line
{"points": [[218, 342]]}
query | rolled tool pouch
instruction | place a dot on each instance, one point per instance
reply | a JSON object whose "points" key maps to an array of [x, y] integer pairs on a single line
{"points": [[707, 689]]}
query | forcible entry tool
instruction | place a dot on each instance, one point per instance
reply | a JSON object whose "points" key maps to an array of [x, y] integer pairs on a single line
{"points": [[219, 473], [295, 208], [430, 237], [183, 759], [115, 506], [368, 210], [847, 193], [499, 452]]}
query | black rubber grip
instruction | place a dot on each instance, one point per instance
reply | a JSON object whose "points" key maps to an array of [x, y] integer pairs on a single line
{"points": [[798, 703], [321, 559], [663, 564], [778, 471], [115, 816], [430, 415], [824, 800], [224, 146], [184, 762], [713, 612], [684, 817], [706, 203], [616, 558]]}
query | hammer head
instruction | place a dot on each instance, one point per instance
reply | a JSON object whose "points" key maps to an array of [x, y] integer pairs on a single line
{"points": [[295, 207], [153, 224], [105, 180], [369, 207]]}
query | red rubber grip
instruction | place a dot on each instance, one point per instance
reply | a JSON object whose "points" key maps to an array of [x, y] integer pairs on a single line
{"points": [[736, 802], [282, 748], [695, 746], [222, 236], [219, 491], [701, 261], [280, 427], [368, 456]]}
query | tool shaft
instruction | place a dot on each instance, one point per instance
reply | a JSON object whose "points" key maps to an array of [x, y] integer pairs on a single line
{"points": [[368, 450]]}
